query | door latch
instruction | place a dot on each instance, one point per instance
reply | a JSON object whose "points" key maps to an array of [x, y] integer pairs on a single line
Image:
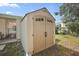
{"points": [[32, 34], [45, 34]]}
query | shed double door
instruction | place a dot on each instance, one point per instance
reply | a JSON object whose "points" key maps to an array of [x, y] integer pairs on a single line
{"points": [[43, 33]]}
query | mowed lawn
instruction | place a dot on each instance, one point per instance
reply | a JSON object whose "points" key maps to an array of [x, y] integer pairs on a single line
{"points": [[68, 41]]}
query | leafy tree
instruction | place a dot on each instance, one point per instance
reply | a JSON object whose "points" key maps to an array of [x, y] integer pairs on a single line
{"points": [[70, 14], [58, 28]]}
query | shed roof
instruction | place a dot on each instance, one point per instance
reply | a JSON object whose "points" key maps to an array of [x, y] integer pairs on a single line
{"points": [[38, 10]]}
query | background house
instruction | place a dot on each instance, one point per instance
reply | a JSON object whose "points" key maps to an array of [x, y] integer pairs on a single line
{"points": [[61, 28], [10, 24]]}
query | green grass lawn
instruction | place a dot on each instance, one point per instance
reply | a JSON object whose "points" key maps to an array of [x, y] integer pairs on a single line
{"points": [[16, 49], [71, 39], [67, 41], [13, 49], [65, 37]]}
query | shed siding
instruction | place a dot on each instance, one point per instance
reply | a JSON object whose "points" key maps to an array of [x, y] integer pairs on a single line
{"points": [[24, 35], [30, 32]]}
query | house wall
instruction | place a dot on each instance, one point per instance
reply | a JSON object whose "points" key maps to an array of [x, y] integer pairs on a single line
{"points": [[18, 29], [2, 26], [17, 21]]}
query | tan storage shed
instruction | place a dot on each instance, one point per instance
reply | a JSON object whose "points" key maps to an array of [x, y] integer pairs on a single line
{"points": [[37, 31]]}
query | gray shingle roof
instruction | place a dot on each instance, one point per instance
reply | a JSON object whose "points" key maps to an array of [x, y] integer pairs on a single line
{"points": [[37, 10]]}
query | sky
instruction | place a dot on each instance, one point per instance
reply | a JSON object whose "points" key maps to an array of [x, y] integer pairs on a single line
{"points": [[20, 9]]}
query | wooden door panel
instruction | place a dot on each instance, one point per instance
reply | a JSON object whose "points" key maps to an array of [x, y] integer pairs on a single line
{"points": [[49, 30], [35, 41], [39, 38]]}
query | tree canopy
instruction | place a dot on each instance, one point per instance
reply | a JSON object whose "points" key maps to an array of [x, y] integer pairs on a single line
{"points": [[70, 14]]}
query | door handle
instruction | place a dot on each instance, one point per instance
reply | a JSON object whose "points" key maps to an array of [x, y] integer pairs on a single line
{"points": [[45, 34]]}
